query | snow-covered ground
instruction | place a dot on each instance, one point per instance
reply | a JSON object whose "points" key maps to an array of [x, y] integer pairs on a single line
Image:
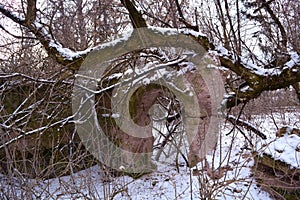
{"points": [[284, 148], [226, 173]]}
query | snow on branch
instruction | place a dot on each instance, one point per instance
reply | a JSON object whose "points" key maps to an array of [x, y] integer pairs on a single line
{"points": [[246, 125], [54, 49], [30, 78], [257, 78], [24, 134], [11, 15]]}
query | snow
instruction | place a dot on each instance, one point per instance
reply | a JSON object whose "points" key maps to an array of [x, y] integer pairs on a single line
{"points": [[71, 55], [152, 72], [192, 32], [222, 51], [188, 68], [173, 31], [295, 56], [113, 115], [40, 129], [244, 89], [13, 11], [295, 59], [284, 149], [165, 31], [226, 173], [231, 162], [260, 71]]}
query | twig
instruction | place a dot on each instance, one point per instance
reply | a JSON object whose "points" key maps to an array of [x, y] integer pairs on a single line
{"points": [[246, 125]]}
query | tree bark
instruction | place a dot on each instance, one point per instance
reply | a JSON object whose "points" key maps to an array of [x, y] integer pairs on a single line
{"points": [[136, 17]]}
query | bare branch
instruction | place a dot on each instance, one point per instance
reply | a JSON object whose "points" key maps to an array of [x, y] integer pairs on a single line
{"points": [[266, 5], [183, 20], [54, 49], [16, 36], [11, 16], [247, 125]]}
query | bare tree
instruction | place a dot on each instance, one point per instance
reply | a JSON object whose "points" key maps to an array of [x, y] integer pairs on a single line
{"points": [[69, 30], [36, 89]]}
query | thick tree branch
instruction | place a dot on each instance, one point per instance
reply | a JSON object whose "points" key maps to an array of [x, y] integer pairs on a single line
{"points": [[31, 12], [257, 79], [61, 55], [55, 50], [11, 16], [136, 17], [246, 125]]}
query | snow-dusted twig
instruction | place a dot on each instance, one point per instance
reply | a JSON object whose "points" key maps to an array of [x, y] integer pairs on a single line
{"points": [[246, 125]]}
